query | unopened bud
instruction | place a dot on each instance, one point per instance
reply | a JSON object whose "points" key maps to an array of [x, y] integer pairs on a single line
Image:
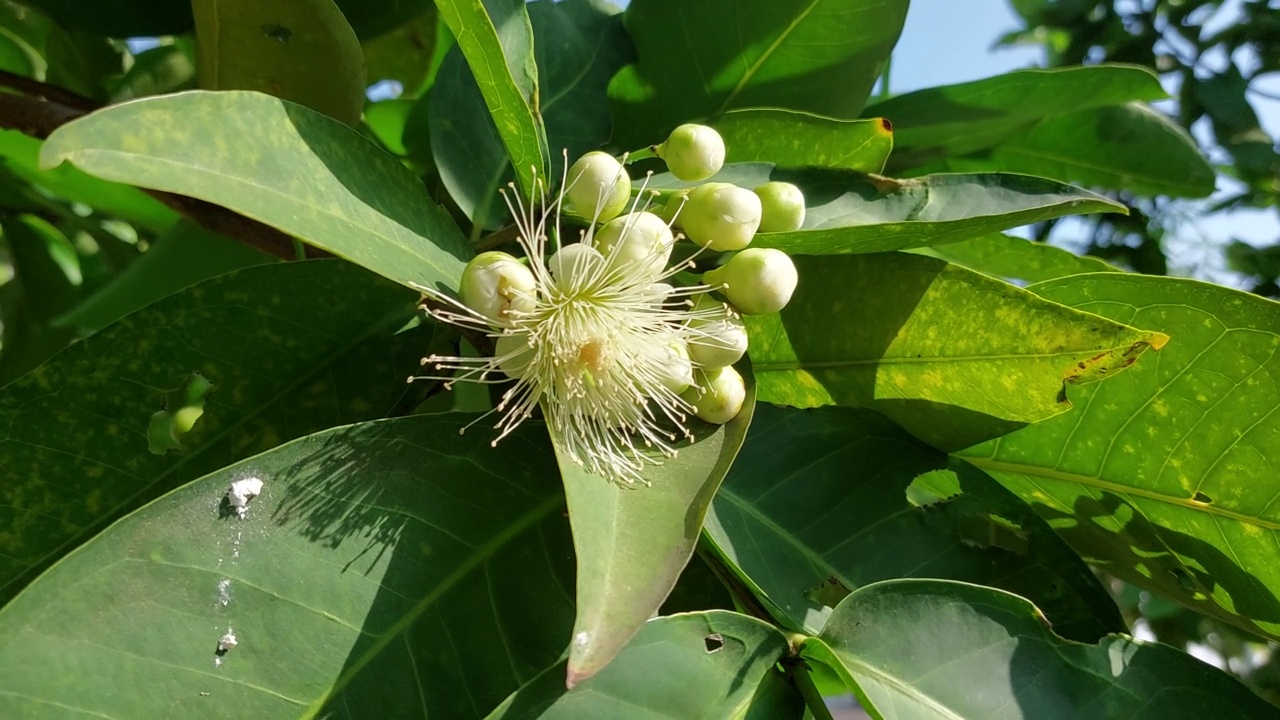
{"points": [[721, 216], [693, 152], [497, 286], [599, 187], [782, 207], [676, 370], [717, 395], [758, 281], [513, 354], [721, 339], [638, 242], [574, 264]]}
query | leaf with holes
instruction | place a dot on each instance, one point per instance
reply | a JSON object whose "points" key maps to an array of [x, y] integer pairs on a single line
{"points": [[1167, 476]]}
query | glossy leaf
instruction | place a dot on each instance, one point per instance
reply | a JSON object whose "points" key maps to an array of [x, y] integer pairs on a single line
{"points": [[302, 51], [385, 566], [76, 453], [496, 38], [315, 178], [1166, 476], [791, 139], [945, 352], [699, 60], [850, 212], [820, 502], [1016, 258], [954, 120], [702, 665], [632, 542], [937, 649]]}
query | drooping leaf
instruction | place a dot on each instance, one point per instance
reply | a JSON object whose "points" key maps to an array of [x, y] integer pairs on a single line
{"points": [[182, 257], [1016, 258], [290, 349], [386, 567], [633, 542], [701, 665], [945, 352], [850, 212], [699, 60], [937, 649], [954, 120], [821, 503], [790, 139], [496, 38], [302, 51], [1166, 477], [316, 179]]}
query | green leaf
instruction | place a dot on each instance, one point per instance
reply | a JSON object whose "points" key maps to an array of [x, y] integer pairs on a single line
{"points": [[701, 665], [945, 352], [954, 120], [496, 38], [310, 176], [1167, 476], [849, 212], [791, 139], [377, 570], [699, 60], [410, 54], [939, 649], [291, 348], [580, 45], [46, 279], [822, 502], [1015, 258], [184, 256], [21, 155], [1126, 147], [160, 70], [302, 51], [633, 542]]}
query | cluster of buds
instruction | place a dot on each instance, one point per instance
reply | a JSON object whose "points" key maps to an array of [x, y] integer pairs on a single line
{"points": [[616, 342]]}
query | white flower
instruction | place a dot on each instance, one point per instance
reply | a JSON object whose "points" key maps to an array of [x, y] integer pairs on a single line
{"points": [[595, 349]]}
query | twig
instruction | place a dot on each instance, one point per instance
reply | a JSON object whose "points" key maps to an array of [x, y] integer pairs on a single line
{"points": [[53, 93], [798, 671]]}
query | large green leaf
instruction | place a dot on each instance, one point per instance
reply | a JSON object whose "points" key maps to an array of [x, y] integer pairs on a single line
{"points": [[701, 665], [496, 38], [307, 175], [792, 139], [952, 120], [1167, 476], [388, 569], [701, 59], [76, 451], [1016, 258], [633, 542], [949, 354], [580, 45], [821, 502], [937, 649], [851, 212], [298, 50], [1124, 147]]}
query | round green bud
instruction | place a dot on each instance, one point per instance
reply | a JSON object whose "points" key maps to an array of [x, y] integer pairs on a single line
{"points": [[676, 371], [782, 207], [721, 339], [575, 263], [498, 286], [693, 152], [758, 281], [599, 187], [721, 216], [513, 353], [636, 243], [717, 396]]}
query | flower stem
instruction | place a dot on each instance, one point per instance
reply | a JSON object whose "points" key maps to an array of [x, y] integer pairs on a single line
{"points": [[798, 671]]}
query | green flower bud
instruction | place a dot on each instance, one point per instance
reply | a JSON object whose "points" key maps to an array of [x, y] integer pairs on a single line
{"points": [[721, 340], [782, 207], [672, 210], [676, 372], [758, 281], [693, 152], [717, 396], [721, 216], [599, 187], [575, 263], [496, 285], [513, 354], [638, 242]]}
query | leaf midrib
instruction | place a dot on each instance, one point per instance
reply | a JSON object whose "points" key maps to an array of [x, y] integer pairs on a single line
{"points": [[768, 53], [838, 364]]}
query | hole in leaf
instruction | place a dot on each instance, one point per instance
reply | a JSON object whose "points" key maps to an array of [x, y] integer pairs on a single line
{"points": [[183, 406], [932, 488], [988, 530], [713, 642], [1184, 579], [829, 592], [279, 33], [885, 125], [1202, 498]]}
